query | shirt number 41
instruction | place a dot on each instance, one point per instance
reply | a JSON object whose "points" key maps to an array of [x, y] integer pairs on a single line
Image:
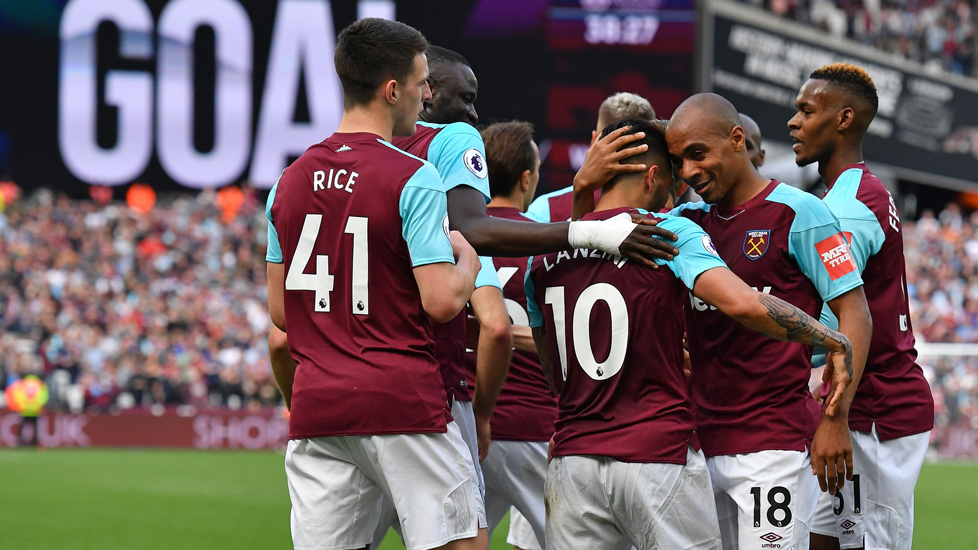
{"points": [[321, 281]]}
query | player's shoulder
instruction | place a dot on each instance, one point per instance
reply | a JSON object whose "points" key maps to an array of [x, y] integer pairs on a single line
{"points": [[691, 209], [552, 194], [450, 131], [417, 171], [808, 209], [676, 223], [857, 194]]}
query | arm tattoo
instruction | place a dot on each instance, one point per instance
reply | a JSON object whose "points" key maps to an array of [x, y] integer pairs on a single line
{"points": [[800, 327]]}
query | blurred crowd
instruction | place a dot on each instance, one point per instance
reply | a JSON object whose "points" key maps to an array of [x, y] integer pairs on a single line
{"points": [[116, 308], [938, 33], [942, 280]]}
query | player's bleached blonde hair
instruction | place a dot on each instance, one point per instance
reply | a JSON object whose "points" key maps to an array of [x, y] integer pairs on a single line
{"points": [[853, 79], [625, 105]]}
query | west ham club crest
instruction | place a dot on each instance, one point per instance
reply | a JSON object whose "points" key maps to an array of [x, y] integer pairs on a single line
{"points": [[756, 242]]}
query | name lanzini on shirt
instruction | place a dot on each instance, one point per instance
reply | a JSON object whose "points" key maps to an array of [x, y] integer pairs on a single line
{"points": [[618, 261]]}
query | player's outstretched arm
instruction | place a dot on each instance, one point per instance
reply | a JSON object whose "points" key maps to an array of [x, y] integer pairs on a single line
{"points": [[832, 445], [446, 287], [546, 359], [283, 366], [602, 163], [495, 349], [501, 237], [778, 319]]}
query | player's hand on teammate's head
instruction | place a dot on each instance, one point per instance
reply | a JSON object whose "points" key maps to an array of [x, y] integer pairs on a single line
{"points": [[603, 159]]}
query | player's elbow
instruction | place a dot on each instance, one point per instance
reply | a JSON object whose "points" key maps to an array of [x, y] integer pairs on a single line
{"points": [[499, 332], [278, 340], [277, 315], [443, 308]]}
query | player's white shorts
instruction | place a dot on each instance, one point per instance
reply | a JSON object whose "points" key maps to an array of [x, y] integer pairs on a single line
{"points": [[593, 501], [515, 474], [337, 483], [521, 534], [464, 417], [765, 499], [878, 502]]}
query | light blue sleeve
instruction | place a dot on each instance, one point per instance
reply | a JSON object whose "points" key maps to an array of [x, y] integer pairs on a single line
{"points": [[487, 274], [698, 205], [273, 253], [815, 243], [459, 155], [532, 308], [539, 209], [424, 218], [856, 219], [696, 251]]}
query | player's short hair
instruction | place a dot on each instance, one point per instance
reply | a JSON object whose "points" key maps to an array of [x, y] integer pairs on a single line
{"points": [[508, 153], [677, 182], [371, 51], [443, 56], [655, 138], [625, 105], [852, 79]]}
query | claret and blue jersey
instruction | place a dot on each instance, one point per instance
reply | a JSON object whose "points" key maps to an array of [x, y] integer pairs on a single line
{"points": [[350, 219], [458, 153], [751, 391], [615, 329], [893, 392]]}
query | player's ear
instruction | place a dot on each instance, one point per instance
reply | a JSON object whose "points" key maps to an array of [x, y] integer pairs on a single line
{"points": [[760, 158], [737, 138], [392, 91], [525, 181], [846, 117], [649, 181]]}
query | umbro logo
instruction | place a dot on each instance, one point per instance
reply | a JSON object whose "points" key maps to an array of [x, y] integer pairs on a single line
{"points": [[344, 149], [771, 540], [848, 524]]}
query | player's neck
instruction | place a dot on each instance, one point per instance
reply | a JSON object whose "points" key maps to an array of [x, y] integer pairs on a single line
{"points": [[620, 196], [369, 120], [748, 187], [507, 202], [845, 155]]}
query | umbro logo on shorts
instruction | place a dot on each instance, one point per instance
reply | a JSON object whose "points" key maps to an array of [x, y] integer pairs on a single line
{"points": [[771, 537]]}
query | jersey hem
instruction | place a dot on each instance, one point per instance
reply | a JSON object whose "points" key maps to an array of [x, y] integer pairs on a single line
{"points": [[316, 435], [843, 291], [430, 261]]}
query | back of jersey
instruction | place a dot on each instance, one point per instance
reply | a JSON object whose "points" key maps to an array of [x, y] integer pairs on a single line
{"points": [[353, 217], [615, 332]]}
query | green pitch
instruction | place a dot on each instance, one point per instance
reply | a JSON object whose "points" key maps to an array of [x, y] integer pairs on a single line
{"points": [[157, 499]]}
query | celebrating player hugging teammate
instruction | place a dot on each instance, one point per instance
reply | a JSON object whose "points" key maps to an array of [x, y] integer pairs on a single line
{"points": [[625, 425]]}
